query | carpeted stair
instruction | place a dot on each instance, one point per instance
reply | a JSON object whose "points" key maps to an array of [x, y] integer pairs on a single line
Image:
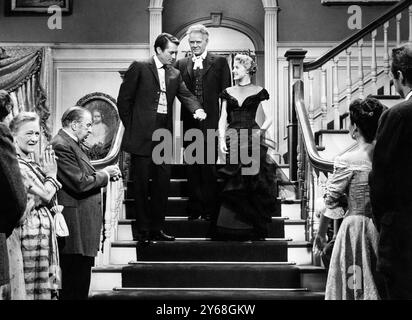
{"points": [[194, 267]]}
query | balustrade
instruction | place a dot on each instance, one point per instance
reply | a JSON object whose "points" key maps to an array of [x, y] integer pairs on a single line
{"points": [[305, 163]]}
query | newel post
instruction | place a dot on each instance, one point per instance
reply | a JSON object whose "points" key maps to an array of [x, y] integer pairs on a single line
{"points": [[295, 58]]}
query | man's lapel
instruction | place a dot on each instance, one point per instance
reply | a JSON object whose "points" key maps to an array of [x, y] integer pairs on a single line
{"points": [[153, 68], [207, 63], [189, 67]]}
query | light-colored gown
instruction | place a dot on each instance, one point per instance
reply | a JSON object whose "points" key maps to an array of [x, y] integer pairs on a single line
{"points": [[353, 263]]}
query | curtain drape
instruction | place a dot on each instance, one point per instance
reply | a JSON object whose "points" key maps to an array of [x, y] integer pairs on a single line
{"points": [[23, 73]]}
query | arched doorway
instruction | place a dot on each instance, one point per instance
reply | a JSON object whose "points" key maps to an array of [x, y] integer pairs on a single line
{"points": [[224, 41]]}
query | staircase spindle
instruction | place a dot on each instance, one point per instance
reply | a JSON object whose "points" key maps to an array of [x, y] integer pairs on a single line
{"points": [[385, 48], [410, 23], [311, 102], [348, 78], [398, 29], [360, 70], [336, 118], [323, 98], [374, 73]]}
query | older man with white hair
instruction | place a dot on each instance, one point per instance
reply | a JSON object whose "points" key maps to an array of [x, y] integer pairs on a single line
{"points": [[206, 75]]}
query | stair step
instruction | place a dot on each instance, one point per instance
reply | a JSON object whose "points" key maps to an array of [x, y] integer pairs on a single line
{"points": [[209, 275], [205, 294], [334, 141], [313, 277], [291, 209], [184, 228], [177, 207], [122, 252], [108, 277]]}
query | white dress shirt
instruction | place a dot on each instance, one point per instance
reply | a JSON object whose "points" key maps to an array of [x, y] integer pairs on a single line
{"points": [[162, 106]]}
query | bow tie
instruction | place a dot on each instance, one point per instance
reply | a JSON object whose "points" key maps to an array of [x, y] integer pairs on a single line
{"points": [[198, 62]]}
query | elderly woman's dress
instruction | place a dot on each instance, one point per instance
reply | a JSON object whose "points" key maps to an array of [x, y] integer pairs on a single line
{"points": [[352, 268], [248, 199], [38, 240]]}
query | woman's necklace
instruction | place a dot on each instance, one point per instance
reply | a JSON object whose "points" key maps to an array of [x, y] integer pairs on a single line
{"points": [[244, 85]]}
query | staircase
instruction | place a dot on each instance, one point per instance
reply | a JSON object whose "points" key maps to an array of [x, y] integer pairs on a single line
{"points": [[194, 267]]}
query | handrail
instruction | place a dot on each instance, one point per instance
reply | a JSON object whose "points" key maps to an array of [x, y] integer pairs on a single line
{"points": [[315, 159], [313, 65], [114, 151]]}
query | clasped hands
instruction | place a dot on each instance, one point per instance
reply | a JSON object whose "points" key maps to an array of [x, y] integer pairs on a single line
{"points": [[200, 115]]}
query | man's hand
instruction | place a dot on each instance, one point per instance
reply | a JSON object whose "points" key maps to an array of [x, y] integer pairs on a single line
{"points": [[222, 145], [114, 172], [200, 114]]}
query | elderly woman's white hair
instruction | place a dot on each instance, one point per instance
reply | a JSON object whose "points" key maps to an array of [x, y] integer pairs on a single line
{"points": [[198, 28]]}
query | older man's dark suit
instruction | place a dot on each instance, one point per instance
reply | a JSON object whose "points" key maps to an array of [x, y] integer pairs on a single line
{"points": [[391, 198], [80, 196], [215, 78], [137, 104], [13, 198]]}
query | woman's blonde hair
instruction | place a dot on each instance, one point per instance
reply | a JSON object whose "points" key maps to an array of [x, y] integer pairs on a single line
{"points": [[247, 62]]}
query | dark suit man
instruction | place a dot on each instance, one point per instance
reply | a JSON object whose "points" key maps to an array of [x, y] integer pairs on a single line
{"points": [[206, 75], [391, 183], [13, 198], [145, 104], [80, 196]]}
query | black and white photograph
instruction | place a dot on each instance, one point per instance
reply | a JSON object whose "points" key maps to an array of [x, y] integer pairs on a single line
{"points": [[207, 155]]}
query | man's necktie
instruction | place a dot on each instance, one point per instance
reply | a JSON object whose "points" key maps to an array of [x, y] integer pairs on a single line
{"points": [[198, 62]]}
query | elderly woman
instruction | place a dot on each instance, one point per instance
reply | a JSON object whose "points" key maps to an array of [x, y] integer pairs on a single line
{"points": [[37, 233]]}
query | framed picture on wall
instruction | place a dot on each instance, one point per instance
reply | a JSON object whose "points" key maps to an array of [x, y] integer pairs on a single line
{"points": [[36, 7]]}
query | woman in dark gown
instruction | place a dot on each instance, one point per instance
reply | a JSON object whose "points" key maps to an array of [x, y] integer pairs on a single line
{"points": [[248, 199]]}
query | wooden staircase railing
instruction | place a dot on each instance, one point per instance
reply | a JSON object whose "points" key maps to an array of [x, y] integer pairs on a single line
{"points": [[306, 166]]}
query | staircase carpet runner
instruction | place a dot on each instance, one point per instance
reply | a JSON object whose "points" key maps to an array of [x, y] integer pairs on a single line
{"points": [[206, 294], [209, 275], [192, 250], [183, 228], [195, 268], [176, 206]]}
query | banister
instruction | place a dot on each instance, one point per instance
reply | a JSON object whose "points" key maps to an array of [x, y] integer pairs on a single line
{"points": [[114, 151], [315, 159], [313, 65]]}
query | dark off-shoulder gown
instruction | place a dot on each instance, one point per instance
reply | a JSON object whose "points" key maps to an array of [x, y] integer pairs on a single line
{"points": [[248, 201]]}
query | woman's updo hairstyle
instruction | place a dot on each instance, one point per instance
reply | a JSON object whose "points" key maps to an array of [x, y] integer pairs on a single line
{"points": [[365, 114], [22, 118], [247, 62]]}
